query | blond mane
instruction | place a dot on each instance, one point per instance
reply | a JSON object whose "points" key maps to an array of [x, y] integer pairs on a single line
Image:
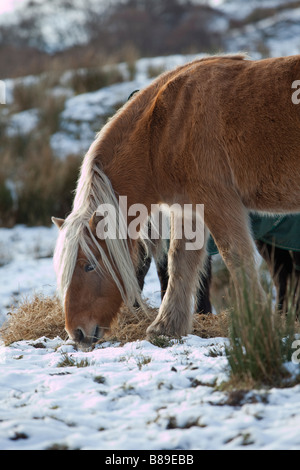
{"points": [[93, 189]]}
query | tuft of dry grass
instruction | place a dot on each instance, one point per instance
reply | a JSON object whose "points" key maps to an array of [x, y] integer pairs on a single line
{"points": [[40, 316], [43, 316], [210, 325], [128, 326]]}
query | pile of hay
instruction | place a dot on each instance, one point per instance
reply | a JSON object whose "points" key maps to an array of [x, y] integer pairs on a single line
{"points": [[132, 327], [34, 318], [43, 316]]}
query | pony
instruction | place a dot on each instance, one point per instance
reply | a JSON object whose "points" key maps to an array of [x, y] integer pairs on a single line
{"points": [[222, 131]]}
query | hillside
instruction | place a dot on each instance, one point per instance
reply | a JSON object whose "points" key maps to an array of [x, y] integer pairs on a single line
{"points": [[42, 35]]}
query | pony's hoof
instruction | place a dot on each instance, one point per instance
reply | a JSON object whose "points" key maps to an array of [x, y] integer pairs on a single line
{"points": [[157, 330], [161, 329]]}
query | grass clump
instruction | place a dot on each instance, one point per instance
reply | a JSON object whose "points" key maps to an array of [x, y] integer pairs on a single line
{"points": [[34, 318], [161, 341], [69, 361], [260, 342], [99, 379], [94, 78]]}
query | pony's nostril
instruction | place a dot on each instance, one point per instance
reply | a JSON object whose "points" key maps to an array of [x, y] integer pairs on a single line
{"points": [[79, 335], [96, 335], [82, 338]]}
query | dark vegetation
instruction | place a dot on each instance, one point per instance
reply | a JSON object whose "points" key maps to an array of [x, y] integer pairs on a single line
{"points": [[149, 27]]}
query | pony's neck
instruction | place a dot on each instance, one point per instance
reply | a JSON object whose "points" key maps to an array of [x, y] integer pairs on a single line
{"points": [[123, 156]]}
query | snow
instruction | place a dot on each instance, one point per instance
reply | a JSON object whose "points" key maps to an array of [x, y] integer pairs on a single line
{"points": [[23, 123], [240, 9], [25, 263], [132, 397], [58, 25], [278, 35]]}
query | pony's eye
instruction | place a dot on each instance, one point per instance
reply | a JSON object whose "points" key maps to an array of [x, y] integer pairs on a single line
{"points": [[89, 267]]}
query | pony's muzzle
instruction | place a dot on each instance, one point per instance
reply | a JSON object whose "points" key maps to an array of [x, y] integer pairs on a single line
{"points": [[86, 339]]}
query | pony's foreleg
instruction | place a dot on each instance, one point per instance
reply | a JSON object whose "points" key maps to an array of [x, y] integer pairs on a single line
{"points": [[175, 314]]}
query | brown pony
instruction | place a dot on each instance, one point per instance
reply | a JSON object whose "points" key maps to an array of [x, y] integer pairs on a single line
{"points": [[221, 131]]}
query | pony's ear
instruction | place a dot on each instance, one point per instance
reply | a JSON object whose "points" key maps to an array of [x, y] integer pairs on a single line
{"points": [[94, 220], [57, 222]]}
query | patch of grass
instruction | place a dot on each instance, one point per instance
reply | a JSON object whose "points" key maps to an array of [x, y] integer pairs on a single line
{"points": [[58, 447], [40, 185], [50, 111], [260, 342], [99, 379], [153, 71], [215, 352], [161, 341], [92, 79], [19, 435], [199, 383], [128, 388], [28, 96], [196, 422], [34, 318], [69, 361], [34, 183], [6, 204], [142, 361]]}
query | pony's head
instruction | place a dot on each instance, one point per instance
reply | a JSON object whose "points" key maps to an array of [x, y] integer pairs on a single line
{"points": [[91, 298], [94, 275], [91, 285]]}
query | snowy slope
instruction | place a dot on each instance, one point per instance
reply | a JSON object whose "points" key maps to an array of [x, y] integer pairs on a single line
{"points": [[58, 24]]}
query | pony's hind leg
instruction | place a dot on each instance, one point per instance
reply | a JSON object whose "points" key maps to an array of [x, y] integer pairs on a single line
{"points": [[203, 304], [227, 220], [175, 314]]}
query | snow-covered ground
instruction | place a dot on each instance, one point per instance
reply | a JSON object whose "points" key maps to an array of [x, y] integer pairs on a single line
{"points": [[133, 397]]}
